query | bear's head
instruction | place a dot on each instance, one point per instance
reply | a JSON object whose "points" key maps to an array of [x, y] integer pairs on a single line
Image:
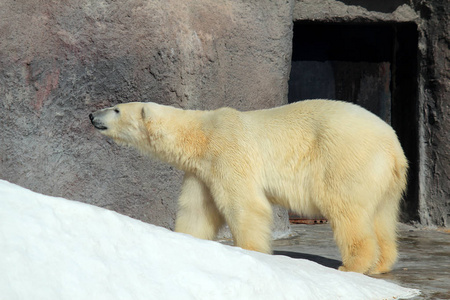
{"points": [[168, 133], [127, 124]]}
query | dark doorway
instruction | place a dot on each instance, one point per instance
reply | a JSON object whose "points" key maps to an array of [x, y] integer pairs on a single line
{"points": [[373, 65]]}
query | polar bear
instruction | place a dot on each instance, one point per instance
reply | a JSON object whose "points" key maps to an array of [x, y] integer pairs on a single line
{"points": [[316, 157]]}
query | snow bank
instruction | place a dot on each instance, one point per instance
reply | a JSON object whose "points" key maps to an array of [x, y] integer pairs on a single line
{"points": [[53, 248]]}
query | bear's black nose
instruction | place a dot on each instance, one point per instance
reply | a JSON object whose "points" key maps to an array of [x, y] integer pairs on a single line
{"points": [[91, 117]]}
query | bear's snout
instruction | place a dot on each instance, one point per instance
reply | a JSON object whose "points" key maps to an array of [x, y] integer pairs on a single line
{"points": [[97, 124]]}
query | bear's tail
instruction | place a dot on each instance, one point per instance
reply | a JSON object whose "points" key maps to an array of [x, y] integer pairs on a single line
{"points": [[399, 182]]}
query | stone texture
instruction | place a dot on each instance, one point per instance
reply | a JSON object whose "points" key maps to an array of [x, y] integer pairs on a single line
{"points": [[434, 111], [59, 61], [354, 11]]}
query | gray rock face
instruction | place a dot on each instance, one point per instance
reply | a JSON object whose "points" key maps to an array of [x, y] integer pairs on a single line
{"points": [[59, 61], [434, 112]]}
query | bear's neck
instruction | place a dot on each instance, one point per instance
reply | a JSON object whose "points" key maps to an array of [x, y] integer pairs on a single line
{"points": [[180, 140]]}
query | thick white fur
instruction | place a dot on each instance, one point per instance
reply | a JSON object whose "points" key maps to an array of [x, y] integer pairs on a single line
{"points": [[316, 157]]}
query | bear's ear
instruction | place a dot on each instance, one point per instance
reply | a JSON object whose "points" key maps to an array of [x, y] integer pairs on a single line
{"points": [[146, 113]]}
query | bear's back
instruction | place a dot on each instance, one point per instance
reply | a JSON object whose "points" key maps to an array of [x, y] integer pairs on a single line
{"points": [[325, 131], [321, 117]]}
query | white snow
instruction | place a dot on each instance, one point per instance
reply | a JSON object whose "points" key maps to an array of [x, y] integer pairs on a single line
{"points": [[53, 248]]}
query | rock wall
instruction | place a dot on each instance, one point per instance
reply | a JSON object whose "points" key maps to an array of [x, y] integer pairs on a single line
{"points": [[59, 61], [434, 111]]}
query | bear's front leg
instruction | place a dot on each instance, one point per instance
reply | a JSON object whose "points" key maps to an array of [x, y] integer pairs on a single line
{"points": [[249, 215], [197, 213]]}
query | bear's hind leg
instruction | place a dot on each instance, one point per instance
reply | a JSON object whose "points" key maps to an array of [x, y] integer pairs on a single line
{"points": [[356, 240], [386, 232], [197, 213]]}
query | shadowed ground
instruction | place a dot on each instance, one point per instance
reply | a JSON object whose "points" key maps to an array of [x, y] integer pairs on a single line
{"points": [[424, 261]]}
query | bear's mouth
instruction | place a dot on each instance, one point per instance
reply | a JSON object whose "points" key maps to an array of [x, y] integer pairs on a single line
{"points": [[98, 125]]}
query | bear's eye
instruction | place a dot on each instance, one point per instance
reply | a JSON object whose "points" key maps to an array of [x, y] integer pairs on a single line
{"points": [[116, 110]]}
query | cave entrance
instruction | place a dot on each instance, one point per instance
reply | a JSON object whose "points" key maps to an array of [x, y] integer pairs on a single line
{"points": [[373, 65]]}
